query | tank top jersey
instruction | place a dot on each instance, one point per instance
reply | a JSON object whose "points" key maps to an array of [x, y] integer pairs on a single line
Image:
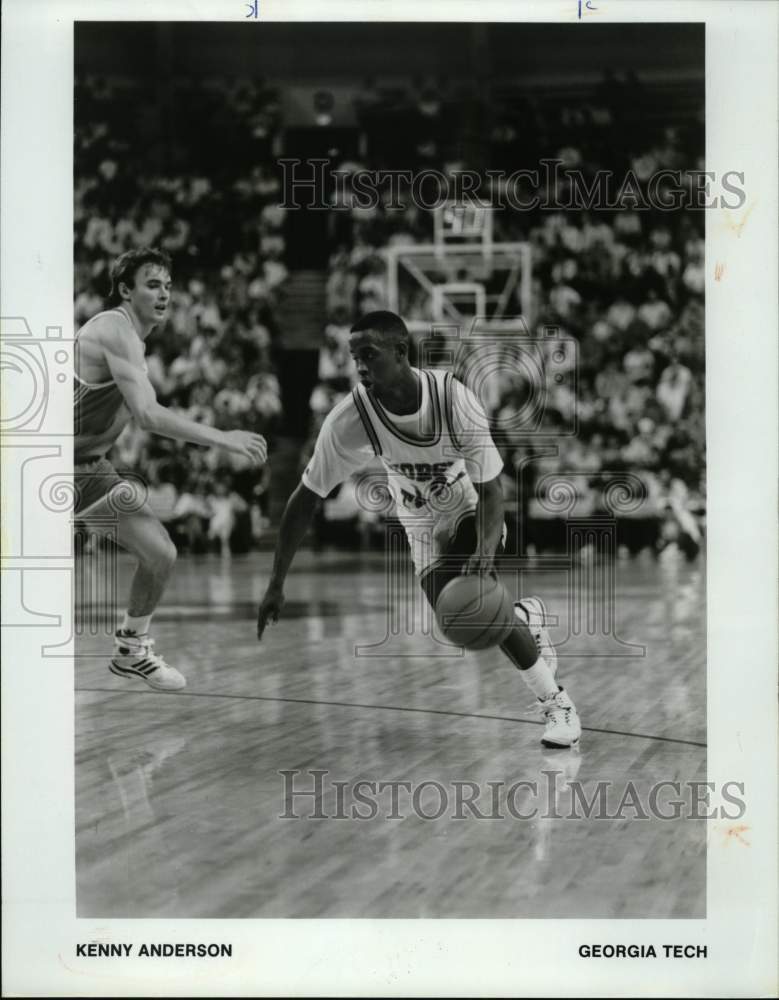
{"points": [[429, 457], [97, 405]]}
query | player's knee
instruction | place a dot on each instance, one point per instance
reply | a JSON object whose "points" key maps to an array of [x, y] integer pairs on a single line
{"points": [[161, 557], [169, 554]]}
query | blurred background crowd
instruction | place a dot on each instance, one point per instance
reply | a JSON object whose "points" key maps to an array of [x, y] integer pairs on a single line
{"points": [[257, 335], [217, 217]]}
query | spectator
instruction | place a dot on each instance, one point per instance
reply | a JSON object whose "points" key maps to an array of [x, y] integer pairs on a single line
{"points": [[654, 312], [673, 388], [224, 505]]}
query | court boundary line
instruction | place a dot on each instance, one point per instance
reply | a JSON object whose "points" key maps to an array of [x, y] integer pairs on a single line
{"points": [[388, 708]]}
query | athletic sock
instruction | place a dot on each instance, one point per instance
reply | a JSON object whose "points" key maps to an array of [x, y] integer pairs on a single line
{"points": [[140, 625], [539, 679]]}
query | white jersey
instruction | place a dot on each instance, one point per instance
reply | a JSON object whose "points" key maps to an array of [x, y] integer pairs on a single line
{"points": [[432, 457]]}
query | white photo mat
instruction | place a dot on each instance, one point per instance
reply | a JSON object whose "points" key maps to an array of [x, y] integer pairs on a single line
{"points": [[401, 957]]}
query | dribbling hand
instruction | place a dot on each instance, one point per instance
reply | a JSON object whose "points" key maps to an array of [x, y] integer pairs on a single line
{"points": [[248, 445], [269, 610], [479, 565]]}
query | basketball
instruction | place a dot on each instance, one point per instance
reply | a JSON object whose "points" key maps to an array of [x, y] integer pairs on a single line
{"points": [[475, 611]]}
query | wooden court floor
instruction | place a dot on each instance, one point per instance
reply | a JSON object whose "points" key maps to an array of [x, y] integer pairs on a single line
{"points": [[180, 800]]}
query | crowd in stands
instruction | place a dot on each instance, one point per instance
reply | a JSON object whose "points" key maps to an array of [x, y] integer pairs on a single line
{"points": [[624, 286], [217, 217]]}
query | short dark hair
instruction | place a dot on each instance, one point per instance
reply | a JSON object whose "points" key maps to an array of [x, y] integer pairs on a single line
{"points": [[387, 324], [126, 267]]}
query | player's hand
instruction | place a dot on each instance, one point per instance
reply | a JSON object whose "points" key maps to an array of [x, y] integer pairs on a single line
{"points": [[479, 565], [248, 445], [270, 608]]}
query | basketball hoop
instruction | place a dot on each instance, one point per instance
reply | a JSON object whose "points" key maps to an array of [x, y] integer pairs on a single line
{"points": [[454, 222], [452, 283]]}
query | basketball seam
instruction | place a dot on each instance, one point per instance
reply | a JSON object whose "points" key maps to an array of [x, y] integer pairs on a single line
{"points": [[487, 628], [464, 612], [466, 609]]}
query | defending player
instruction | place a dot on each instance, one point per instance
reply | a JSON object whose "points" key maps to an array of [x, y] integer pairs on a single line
{"points": [[112, 387], [443, 469]]}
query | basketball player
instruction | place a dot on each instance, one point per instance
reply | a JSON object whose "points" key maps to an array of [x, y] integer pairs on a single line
{"points": [[111, 387], [432, 437]]}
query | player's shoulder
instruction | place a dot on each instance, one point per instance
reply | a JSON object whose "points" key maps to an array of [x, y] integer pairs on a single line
{"points": [[344, 425], [100, 342], [454, 392], [455, 387], [110, 329], [342, 409], [108, 323], [439, 374], [445, 378], [467, 410], [342, 417], [107, 319]]}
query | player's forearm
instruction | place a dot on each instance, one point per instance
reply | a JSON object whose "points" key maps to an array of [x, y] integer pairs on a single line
{"points": [[489, 518], [295, 522], [160, 420]]}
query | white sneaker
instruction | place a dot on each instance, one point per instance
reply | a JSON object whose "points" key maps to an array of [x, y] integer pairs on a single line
{"points": [[531, 612], [134, 658], [563, 728]]}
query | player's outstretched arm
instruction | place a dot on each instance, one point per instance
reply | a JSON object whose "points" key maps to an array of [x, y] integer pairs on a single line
{"points": [[295, 522], [489, 526], [125, 362]]}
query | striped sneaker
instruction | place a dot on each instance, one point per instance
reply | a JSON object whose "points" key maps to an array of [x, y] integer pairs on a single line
{"points": [[134, 657], [531, 611]]}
